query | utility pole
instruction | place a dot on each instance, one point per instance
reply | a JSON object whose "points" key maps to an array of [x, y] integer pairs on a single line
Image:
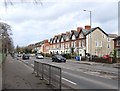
{"points": [[90, 33]]}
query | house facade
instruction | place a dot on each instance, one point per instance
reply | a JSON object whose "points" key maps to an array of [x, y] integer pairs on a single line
{"points": [[99, 43], [117, 46], [81, 41]]}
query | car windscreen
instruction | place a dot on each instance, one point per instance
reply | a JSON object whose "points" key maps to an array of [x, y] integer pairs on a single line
{"points": [[59, 56], [39, 55]]}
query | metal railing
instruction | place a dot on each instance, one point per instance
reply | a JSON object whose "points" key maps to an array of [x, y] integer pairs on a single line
{"points": [[50, 73]]}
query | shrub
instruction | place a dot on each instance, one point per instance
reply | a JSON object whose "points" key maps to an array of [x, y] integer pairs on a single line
{"points": [[67, 56], [101, 60]]}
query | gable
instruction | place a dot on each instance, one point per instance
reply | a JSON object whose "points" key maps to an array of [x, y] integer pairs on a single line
{"points": [[62, 40], [67, 38], [81, 35], [73, 37]]}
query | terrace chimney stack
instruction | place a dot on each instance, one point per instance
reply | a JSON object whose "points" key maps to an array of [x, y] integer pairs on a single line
{"points": [[87, 27]]}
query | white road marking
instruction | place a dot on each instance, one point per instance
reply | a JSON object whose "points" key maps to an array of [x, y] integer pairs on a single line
{"points": [[69, 81], [91, 80], [32, 65]]}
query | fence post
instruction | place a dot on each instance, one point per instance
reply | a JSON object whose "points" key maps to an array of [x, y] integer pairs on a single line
{"points": [[49, 74], [60, 79], [42, 73], [34, 68], [37, 75]]}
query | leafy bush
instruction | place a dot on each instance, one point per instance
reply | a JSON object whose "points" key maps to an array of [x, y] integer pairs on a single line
{"points": [[47, 55], [67, 56], [101, 60]]}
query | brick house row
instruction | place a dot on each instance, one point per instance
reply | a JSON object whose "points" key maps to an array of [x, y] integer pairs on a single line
{"points": [[81, 41]]}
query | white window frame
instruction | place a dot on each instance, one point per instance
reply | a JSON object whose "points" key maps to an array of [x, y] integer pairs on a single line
{"points": [[83, 43], [118, 41], [108, 39], [100, 44], [96, 44], [109, 46], [80, 43]]}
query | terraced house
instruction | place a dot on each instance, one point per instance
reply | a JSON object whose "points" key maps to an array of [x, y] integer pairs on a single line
{"points": [[81, 41], [117, 47]]}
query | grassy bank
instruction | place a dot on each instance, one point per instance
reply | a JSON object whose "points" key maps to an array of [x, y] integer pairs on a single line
{"points": [[2, 57]]}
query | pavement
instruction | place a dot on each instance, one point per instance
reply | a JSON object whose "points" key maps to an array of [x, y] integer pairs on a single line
{"points": [[17, 75], [0, 76], [114, 65], [14, 74]]}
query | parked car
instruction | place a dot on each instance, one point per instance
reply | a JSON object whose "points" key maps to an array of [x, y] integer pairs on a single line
{"points": [[25, 56], [106, 57], [39, 56], [58, 58], [18, 55]]}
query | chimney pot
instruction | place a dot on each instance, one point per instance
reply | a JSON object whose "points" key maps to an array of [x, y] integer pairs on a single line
{"points": [[87, 27], [79, 29]]}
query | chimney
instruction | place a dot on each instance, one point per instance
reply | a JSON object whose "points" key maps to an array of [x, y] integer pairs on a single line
{"points": [[55, 36], [63, 33], [87, 27], [67, 32], [79, 29], [72, 30], [46, 41]]}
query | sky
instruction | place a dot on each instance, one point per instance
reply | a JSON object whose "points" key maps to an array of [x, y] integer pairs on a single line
{"points": [[32, 23]]}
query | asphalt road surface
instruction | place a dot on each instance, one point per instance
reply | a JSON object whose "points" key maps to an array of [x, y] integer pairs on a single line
{"points": [[83, 76]]}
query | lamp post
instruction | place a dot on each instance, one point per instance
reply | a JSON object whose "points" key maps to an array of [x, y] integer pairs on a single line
{"points": [[90, 33], [90, 16]]}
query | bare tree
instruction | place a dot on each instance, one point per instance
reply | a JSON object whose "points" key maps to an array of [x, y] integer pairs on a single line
{"points": [[11, 2], [6, 39]]}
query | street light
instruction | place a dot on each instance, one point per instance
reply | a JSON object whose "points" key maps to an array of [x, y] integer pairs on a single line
{"points": [[90, 32], [90, 16]]}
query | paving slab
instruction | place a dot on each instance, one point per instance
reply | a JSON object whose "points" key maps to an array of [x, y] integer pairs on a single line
{"points": [[17, 75]]}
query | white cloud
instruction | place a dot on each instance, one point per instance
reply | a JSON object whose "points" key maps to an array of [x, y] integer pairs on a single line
{"points": [[35, 23]]}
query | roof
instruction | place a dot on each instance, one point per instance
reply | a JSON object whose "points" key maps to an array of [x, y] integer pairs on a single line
{"points": [[86, 32], [112, 35], [117, 38]]}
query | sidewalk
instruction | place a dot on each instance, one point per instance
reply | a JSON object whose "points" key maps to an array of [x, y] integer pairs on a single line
{"points": [[114, 65], [17, 75], [0, 76]]}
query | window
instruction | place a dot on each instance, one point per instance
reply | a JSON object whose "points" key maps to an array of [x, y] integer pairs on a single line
{"points": [[57, 45], [118, 52], [67, 38], [68, 45], [47, 47], [103, 36], [73, 44], [100, 44], [118, 42], [108, 46], [90, 35], [108, 39], [96, 43], [57, 40], [62, 40], [81, 35], [83, 43], [80, 44]]}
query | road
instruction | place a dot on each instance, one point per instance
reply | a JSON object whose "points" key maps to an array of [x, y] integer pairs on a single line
{"points": [[83, 76]]}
